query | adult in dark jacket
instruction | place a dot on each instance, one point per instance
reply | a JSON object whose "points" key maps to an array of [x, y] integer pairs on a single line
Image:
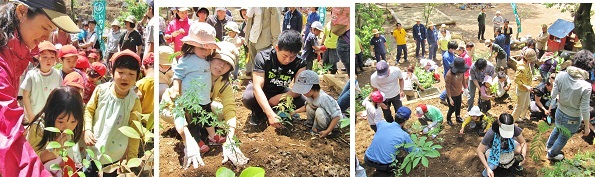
{"points": [[218, 21], [420, 38], [292, 20]]}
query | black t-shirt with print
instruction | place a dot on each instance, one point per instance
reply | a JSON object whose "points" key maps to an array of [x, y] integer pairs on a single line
{"points": [[541, 91], [276, 76], [134, 39]]}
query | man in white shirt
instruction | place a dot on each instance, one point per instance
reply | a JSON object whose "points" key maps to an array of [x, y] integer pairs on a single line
{"points": [[388, 80]]}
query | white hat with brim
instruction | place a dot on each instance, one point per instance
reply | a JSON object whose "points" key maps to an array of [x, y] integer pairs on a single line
{"points": [[304, 82], [130, 19], [475, 111], [227, 52], [183, 9], [317, 25], [165, 53], [115, 23], [232, 26], [56, 12], [201, 35], [506, 131]]}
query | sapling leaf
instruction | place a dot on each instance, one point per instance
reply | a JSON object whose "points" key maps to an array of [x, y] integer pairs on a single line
{"points": [[68, 132], [424, 161], [416, 161], [224, 172], [107, 157], [90, 153], [102, 149], [81, 174], [129, 132], [134, 162], [69, 143], [253, 172], [53, 145], [86, 163], [52, 129], [69, 170], [111, 168], [98, 164], [55, 167]]}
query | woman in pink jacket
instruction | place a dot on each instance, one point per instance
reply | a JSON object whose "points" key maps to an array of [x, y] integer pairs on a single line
{"points": [[23, 25], [178, 28]]}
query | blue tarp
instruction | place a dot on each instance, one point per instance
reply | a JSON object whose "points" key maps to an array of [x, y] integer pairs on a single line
{"points": [[560, 28]]}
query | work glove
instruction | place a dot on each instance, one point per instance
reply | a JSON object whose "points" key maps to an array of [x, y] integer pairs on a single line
{"points": [[192, 157], [232, 153]]}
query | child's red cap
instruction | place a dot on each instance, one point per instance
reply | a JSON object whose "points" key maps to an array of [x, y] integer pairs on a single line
{"points": [[99, 67], [74, 79], [149, 59], [82, 63], [124, 53]]}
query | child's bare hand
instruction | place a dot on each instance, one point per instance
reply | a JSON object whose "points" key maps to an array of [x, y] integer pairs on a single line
{"points": [[174, 94], [324, 133], [461, 131], [90, 138]]}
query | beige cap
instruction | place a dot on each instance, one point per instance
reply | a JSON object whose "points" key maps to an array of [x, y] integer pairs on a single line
{"points": [[165, 53], [130, 19], [530, 55]]}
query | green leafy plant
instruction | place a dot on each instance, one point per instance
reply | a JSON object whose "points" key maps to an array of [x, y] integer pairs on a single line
{"points": [[537, 146], [321, 69], [136, 9], [284, 110], [477, 55], [365, 92], [494, 87], [426, 79], [248, 172], [422, 150], [368, 17], [581, 165], [242, 59], [63, 153]]}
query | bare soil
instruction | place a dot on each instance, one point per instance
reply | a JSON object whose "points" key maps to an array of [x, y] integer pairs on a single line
{"points": [[458, 156], [280, 153]]}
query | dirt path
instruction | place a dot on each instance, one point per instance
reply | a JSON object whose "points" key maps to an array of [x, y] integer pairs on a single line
{"points": [[458, 158], [291, 153]]}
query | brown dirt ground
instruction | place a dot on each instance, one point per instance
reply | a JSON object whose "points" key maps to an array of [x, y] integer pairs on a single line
{"points": [[279, 153], [458, 157]]}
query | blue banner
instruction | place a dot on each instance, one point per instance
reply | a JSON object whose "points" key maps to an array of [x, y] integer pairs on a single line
{"points": [[516, 15], [322, 14], [99, 16]]}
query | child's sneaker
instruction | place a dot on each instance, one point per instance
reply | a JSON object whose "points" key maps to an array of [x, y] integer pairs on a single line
{"points": [[217, 139], [203, 147]]}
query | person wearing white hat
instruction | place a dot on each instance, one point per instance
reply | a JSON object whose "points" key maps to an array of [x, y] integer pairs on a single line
{"points": [[311, 46], [502, 146], [132, 39], [485, 95], [497, 21], [218, 21], [113, 38], [165, 69], [478, 122], [233, 34]]}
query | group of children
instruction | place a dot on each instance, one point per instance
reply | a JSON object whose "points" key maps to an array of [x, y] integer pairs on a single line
{"points": [[73, 97]]}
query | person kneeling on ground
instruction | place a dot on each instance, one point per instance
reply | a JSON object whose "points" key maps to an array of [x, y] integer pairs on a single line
{"points": [[381, 153], [480, 122], [427, 113], [503, 86], [274, 70], [501, 146], [373, 109], [322, 110]]}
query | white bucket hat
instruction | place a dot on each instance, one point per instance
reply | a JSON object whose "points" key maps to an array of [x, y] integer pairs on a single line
{"points": [[475, 111], [232, 26], [201, 35]]}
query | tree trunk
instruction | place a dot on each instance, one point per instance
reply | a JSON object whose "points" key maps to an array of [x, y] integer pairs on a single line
{"points": [[583, 27]]}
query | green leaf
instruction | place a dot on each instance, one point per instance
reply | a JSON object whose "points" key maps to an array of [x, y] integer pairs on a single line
{"points": [[433, 154], [424, 161], [55, 167], [68, 132], [416, 162], [81, 174], [408, 168], [53, 145], [109, 159], [102, 149], [86, 163], [437, 147], [134, 162], [52, 129], [98, 164], [253, 172], [224, 172], [69, 170], [90, 153], [69, 143], [139, 126], [129, 132]]}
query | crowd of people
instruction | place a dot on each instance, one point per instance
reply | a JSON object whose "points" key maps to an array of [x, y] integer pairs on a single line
{"points": [[561, 97], [54, 74], [281, 47]]}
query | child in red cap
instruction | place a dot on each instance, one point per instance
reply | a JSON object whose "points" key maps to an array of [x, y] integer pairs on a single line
{"points": [[94, 75], [39, 82], [373, 108], [112, 106]]}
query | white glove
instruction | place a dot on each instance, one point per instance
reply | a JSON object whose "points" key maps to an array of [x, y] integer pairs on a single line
{"points": [[192, 157], [232, 153]]}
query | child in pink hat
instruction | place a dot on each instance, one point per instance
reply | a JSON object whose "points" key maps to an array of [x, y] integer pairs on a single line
{"points": [[192, 74]]}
